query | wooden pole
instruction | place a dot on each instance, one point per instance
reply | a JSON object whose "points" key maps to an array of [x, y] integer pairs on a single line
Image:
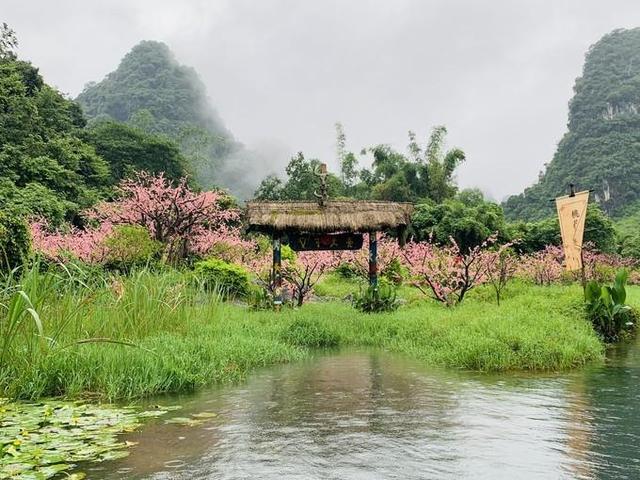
{"points": [[277, 272], [373, 259]]}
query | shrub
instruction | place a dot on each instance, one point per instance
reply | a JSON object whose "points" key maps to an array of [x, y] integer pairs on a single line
{"points": [[15, 240], [129, 246], [310, 333], [287, 253], [606, 307], [231, 279], [260, 298], [382, 298], [395, 272], [347, 270]]}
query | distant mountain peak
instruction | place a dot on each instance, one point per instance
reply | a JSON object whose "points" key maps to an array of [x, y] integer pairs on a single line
{"points": [[601, 149], [150, 78]]}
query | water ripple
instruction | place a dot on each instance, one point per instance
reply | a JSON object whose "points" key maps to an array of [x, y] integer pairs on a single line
{"points": [[370, 415]]}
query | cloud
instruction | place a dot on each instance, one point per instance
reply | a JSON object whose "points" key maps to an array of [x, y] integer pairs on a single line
{"points": [[498, 74]]}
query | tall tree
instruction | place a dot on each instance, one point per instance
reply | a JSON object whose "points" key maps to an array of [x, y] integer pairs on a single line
{"points": [[45, 166], [129, 149], [439, 166], [347, 160], [8, 43], [301, 183]]}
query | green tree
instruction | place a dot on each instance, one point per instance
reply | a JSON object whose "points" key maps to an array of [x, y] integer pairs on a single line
{"points": [[599, 230], [15, 241], [8, 43], [425, 174], [348, 161], [128, 149], [468, 218], [271, 188], [301, 183], [439, 166], [45, 166]]}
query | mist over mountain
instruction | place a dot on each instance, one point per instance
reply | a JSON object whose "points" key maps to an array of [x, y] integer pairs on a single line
{"points": [[151, 90], [601, 149]]}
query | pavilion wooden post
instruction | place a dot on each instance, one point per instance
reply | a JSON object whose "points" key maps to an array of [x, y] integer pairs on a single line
{"points": [[276, 273], [373, 259]]}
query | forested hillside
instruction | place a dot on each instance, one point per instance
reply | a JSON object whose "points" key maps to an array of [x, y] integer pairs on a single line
{"points": [[46, 168], [150, 90], [601, 149], [51, 164]]}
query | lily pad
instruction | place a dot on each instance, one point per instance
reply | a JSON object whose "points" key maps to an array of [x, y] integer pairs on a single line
{"points": [[41, 440]]}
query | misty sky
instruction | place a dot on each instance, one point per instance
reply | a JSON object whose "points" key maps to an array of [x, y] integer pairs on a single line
{"points": [[497, 73]]}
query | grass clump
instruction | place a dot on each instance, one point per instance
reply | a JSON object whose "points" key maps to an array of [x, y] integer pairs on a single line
{"points": [[376, 299], [310, 333]]}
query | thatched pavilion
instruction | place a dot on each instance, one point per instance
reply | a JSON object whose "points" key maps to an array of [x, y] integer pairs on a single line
{"points": [[326, 225]]}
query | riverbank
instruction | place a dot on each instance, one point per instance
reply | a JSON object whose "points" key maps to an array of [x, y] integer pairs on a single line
{"points": [[155, 333]]}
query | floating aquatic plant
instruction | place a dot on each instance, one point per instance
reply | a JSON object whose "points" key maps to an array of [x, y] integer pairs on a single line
{"points": [[41, 440]]}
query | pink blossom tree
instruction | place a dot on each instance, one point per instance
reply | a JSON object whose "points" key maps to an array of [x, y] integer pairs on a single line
{"points": [[445, 273], [303, 273], [388, 252], [183, 220], [502, 265], [602, 266], [87, 245], [543, 267]]}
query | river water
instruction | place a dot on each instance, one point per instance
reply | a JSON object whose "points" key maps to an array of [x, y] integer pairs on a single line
{"points": [[374, 415]]}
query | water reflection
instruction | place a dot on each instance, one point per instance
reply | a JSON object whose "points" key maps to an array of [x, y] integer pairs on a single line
{"points": [[369, 415]]}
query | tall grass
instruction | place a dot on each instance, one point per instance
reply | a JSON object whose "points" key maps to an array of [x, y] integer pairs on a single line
{"points": [[64, 332], [70, 331]]}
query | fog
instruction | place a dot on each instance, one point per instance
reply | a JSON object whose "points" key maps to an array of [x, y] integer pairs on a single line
{"points": [[281, 73]]}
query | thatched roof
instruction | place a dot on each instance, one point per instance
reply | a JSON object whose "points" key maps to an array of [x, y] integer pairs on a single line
{"points": [[335, 216]]}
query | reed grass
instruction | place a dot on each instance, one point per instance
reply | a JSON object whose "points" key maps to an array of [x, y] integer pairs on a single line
{"points": [[77, 333]]}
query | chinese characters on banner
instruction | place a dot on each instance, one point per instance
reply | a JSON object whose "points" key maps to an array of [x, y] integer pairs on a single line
{"points": [[323, 241], [572, 211]]}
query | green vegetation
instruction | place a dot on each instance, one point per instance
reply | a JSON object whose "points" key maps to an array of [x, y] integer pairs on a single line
{"points": [[51, 164], [468, 218], [599, 231], [74, 333], [423, 174], [376, 299], [628, 232], [231, 280], [45, 167], [15, 242], [152, 89], [601, 149], [153, 93], [43, 440], [606, 307], [130, 246], [309, 333], [129, 149]]}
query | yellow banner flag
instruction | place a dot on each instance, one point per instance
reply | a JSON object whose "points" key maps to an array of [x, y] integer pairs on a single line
{"points": [[572, 211]]}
